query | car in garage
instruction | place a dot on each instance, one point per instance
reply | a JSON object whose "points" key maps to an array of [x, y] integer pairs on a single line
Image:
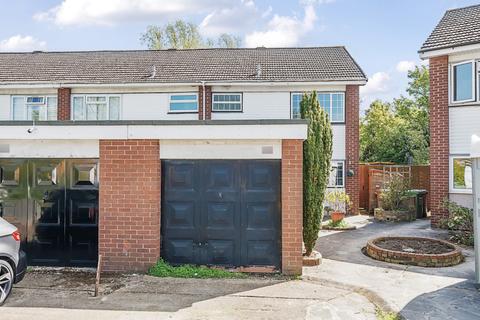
{"points": [[13, 263]]}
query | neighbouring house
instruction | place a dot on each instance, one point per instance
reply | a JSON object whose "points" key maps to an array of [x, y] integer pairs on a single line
{"points": [[453, 51], [190, 155]]}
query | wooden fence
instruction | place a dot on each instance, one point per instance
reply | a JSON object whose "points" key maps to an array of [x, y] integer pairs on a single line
{"points": [[374, 175]]}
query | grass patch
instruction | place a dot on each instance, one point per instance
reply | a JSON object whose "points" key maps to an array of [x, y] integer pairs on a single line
{"points": [[163, 269], [342, 224], [382, 315]]}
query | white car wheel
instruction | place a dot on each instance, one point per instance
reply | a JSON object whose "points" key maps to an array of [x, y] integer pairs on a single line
{"points": [[6, 280]]}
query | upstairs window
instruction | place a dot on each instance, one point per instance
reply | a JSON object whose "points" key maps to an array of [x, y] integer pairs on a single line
{"points": [[463, 82], [225, 102], [101, 107], [183, 103], [333, 103], [37, 108]]}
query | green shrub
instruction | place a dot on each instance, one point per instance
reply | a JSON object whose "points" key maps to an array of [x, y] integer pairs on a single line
{"points": [[163, 269], [395, 192], [338, 200], [317, 154], [459, 222]]}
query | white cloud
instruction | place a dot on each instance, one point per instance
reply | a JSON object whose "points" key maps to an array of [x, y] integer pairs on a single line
{"points": [[110, 12], [22, 43], [378, 83], [405, 66], [283, 31], [232, 19], [313, 2]]}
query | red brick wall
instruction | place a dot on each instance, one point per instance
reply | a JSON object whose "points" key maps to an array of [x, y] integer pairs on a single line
{"points": [[208, 102], [292, 206], [352, 145], [129, 224], [439, 142], [63, 102]]}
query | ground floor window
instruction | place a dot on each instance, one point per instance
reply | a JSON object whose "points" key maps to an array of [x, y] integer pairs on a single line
{"points": [[462, 174], [336, 179]]}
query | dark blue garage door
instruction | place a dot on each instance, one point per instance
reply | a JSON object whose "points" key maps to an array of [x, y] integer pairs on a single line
{"points": [[221, 212]]}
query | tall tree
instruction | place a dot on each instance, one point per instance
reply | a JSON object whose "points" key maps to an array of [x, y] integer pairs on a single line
{"points": [[399, 131], [184, 35], [317, 155]]}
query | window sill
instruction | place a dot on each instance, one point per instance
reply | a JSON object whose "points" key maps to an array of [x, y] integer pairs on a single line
{"points": [[241, 111], [182, 112]]}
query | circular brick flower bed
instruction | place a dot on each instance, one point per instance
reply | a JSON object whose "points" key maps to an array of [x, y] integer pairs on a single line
{"points": [[415, 251]]}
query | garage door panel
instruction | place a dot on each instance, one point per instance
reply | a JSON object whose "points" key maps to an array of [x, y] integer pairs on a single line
{"points": [[221, 215], [219, 176], [262, 253], [179, 250], [181, 177], [220, 252], [262, 215], [180, 214]]}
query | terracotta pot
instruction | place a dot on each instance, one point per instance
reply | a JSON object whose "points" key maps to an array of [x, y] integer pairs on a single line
{"points": [[337, 216]]}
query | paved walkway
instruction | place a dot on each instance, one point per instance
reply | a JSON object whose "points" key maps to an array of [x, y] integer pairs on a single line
{"points": [[415, 292], [62, 295]]}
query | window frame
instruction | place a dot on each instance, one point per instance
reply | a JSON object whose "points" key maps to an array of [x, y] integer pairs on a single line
{"points": [[183, 94], [27, 104], [86, 96], [331, 93], [332, 162], [474, 82], [452, 188], [228, 102]]}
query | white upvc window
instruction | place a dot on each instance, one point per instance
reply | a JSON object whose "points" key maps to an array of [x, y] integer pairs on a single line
{"points": [[96, 107], [332, 102], [183, 102], [463, 82], [460, 174], [227, 102], [337, 174], [37, 108]]}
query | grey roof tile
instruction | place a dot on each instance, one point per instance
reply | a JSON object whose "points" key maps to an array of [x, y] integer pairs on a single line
{"points": [[180, 66], [458, 27]]}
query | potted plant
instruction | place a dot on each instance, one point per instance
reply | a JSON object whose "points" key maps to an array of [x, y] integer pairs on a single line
{"points": [[396, 201], [338, 201]]}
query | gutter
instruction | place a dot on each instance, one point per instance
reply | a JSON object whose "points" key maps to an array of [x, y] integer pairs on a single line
{"points": [[50, 85]]}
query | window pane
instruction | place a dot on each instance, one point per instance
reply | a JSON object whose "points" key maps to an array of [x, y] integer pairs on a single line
{"points": [[51, 108], [336, 175], [463, 81], [78, 109], [102, 112], [183, 97], [99, 99], [324, 100], [114, 108], [35, 112], [462, 174], [183, 106], [18, 104], [91, 112], [338, 107], [36, 100], [296, 99]]}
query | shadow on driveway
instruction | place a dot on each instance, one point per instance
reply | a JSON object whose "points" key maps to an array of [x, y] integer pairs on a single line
{"points": [[459, 301], [74, 289]]}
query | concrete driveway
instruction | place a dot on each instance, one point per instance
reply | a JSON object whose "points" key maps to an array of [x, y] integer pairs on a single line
{"points": [[415, 292], [68, 294]]}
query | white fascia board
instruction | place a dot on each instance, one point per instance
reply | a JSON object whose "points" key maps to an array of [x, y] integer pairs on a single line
{"points": [[166, 85], [449, 51], [171, 132]]}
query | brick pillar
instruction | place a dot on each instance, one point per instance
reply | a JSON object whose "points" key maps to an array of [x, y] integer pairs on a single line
{"points": [[208, 102], [129, 224], [292, 206], [352, 146], [63, 103], [439, 142]]}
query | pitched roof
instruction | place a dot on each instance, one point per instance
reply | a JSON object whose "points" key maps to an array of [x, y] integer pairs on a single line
{"points": [[458, 27], [181, 66]]}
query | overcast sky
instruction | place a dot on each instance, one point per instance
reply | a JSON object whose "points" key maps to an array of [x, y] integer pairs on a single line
{"points": [[382, 35]]}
